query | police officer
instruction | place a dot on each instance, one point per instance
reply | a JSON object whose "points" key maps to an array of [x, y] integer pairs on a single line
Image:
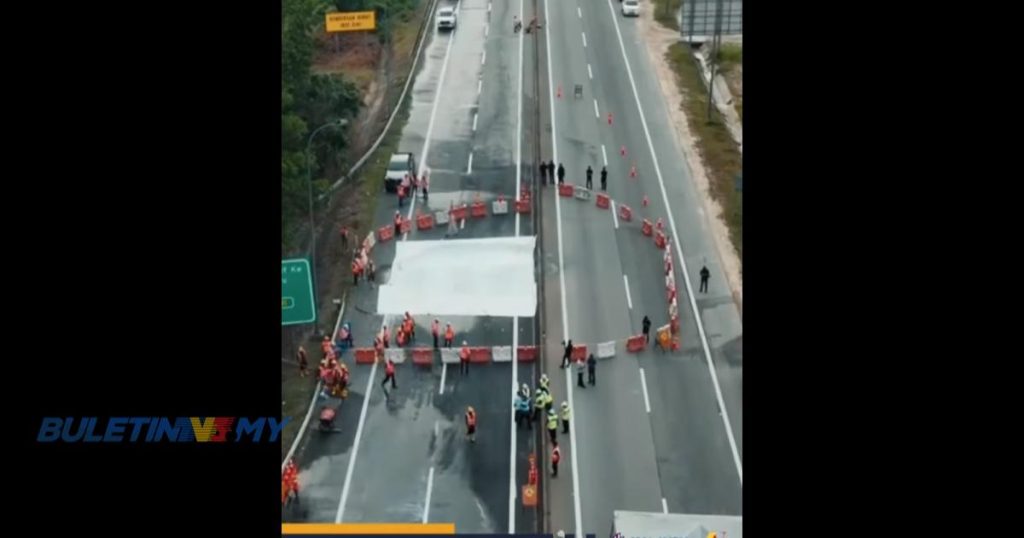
{"points": [[543, 173], [604, 178], [552, 424], [568, 354], [551, 171], [561, 174], [538, 403], [523, 411], [565, 418], [647, 330], [591, 365], [590, 177], [704, 276]]}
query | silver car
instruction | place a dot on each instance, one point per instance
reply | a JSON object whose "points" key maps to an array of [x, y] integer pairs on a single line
{"points": [[446, 18]]}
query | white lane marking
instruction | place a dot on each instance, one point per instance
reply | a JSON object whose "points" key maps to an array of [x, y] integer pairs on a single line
{"points": [[483, 58], [664, 506], [629, 298], [469, 166], [643, 382], [579, 12], [373, 371], [479, 86], [584, 34], [512, 509], [462, 224], [561, 277], [679, 254], [597, 113], [444, 372], [435, 428], [474, 121], [430, 489], [487, 29], [615, 217], [590, 72], [604, 155], [488, 7]]}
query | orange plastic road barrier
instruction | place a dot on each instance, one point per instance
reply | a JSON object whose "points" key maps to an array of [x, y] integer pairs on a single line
{"points": [[566, 189], [405, 226], [579, 352], [602, 201], [385, 233], [529, 495], [648, 227], [527, 353], [478, 209], [523, 205], [479, 354], [635, 343], [422, 356], [524, 193], [425, 222], [625, 212], [459, 213], [659, 240], [365, 355], [674, 325]]}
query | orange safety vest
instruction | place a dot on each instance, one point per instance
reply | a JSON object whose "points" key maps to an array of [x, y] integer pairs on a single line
{"points": [[449, 333], [355, 268], [400, 338], [556, 455], [390, 368], [408, 325], [464, 353], [385, 334], [398, 219], [470, 418]]}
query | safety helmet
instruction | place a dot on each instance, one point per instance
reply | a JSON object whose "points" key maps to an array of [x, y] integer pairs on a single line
{"points": [[470, 409], [464, 342], [565, 405]]}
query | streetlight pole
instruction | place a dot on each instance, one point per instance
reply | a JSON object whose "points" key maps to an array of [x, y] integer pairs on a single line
{"points": [[309, 184]]}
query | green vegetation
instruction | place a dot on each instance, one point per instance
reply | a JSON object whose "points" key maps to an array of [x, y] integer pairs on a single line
{"points": [[665, 12], [729, 56], [718, 150]]}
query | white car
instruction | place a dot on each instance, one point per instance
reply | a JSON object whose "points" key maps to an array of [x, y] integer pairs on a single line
{"points": [[630, 8], [446, 18]]}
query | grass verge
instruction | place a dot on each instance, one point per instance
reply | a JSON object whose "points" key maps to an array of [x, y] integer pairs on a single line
{"points": [[665, 12], [718, 150]]}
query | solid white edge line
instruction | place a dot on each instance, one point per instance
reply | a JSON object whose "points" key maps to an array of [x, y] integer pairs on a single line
{"points": [[664, 506], [316, 393], [561, 279], [643, 383], [373, 371], [679, 254], [444, 372], [597, 112], [430, 488], [604, 155], [590, 72], [629, 298], [515, 319], [615, 216]]}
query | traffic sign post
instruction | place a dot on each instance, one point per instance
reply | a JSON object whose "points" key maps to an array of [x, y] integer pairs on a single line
{"points": [[298, 305]]}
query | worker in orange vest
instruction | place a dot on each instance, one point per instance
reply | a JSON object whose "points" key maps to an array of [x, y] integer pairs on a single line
{"points": [[464, 359], [400, 337], [389, 373], [435, 329], [398, 223], [411, 327], [378, 347], [385, 336], [471, 424], [556, 456], [356, 269], [449, 335]]}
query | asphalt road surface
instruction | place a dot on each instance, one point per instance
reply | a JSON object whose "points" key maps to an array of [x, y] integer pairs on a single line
{"points": [[653, 432], [401, 455]]}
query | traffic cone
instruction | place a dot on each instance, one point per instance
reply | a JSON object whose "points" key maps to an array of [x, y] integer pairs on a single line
{"points": [[632, 170], [559, 91], [609, 118], [645, 202], [622, 151]]}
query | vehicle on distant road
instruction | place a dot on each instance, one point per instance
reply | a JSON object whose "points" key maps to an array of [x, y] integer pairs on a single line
{"points": [[446, 18], [630, 8], [399, 165]]}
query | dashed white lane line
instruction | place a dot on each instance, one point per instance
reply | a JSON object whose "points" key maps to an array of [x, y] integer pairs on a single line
{"points": [[479, 86], [629, 301], [643, 382], [597, 114], [604, 155], [469, 167], [444, 373], [615, 217], [664, 506], [474, 121], [579, 12], [584, 34], [483, 58], [430, 489], [488, 7], [590, 72], [487, 29]]}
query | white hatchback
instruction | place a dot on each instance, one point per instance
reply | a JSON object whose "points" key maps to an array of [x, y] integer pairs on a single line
{"points": [[630, 8], [446, 18]]}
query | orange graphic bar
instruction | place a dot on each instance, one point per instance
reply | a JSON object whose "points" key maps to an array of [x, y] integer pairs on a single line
{"points": [[367, 528]]}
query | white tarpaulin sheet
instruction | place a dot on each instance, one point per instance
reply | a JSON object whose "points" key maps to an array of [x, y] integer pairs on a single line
{"points": [[462, 277]]}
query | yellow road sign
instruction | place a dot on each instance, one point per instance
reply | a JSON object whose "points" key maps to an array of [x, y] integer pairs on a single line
{"points": [[351, 21]]}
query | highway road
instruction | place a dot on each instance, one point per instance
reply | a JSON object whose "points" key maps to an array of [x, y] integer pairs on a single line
{"points": [[404, 458], [654, 433]]}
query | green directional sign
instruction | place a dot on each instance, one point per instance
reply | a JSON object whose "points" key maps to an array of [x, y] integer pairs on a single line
{"points": [[297, 302]]}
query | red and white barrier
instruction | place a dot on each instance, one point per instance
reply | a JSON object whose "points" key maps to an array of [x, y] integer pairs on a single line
{"points": [[364, 355], [565, 189], [523, 206], [384, 233], [395, 355], [636, 343], [527, 353], [405, 226], [479, 354], [603, 201], [605, 350], [423, 356], [501, 353], [581, 193], [499, 207], [579, 352], [450, 355], [625, 213], [425, 222], [478, 210], [441, 217], [659, 240], [647, 228]]}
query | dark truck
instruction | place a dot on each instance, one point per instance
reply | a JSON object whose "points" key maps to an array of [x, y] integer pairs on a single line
{"points": [[399, 165]]}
